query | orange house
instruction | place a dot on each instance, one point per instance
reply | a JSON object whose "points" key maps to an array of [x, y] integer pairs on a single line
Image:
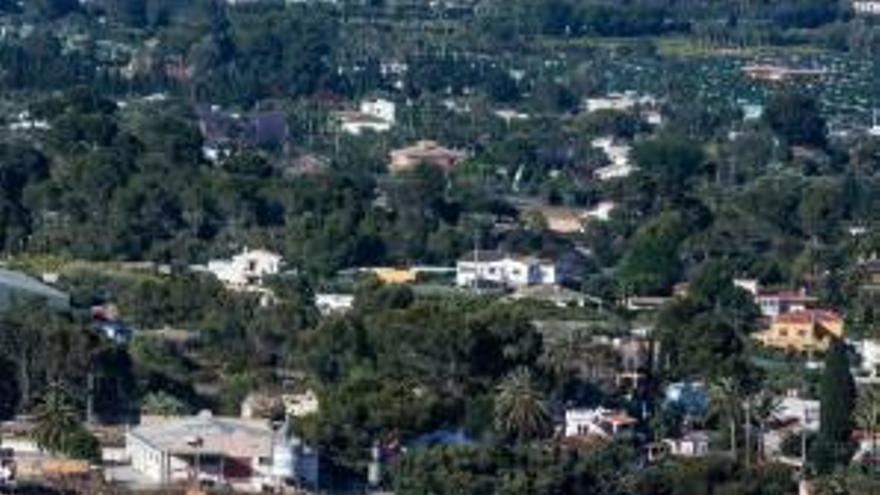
{"points": [[805, 330]]}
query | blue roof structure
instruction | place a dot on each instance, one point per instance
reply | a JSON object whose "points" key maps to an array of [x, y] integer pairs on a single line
{"points": [[443, 438]]}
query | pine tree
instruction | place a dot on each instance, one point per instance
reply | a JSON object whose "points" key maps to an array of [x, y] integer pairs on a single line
{"points": [[838, 398]]}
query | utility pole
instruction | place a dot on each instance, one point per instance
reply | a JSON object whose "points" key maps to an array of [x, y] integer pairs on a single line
{"points": [[90, 397], [748, 428]]}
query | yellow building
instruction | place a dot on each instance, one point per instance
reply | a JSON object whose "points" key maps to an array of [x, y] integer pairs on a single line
{"points": [[395, 275], [802, 331]]}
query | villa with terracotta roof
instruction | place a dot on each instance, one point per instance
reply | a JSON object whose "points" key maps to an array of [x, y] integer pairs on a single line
{"points": [[428, 152], [806, 330]]}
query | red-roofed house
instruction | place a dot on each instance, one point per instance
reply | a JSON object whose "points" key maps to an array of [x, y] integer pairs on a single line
{"points": [[805, 330], [429, 152]]}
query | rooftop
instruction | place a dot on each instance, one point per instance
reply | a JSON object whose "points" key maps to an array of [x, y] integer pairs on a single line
{"points": [[20, 281], [231, 437], [809, 316]]}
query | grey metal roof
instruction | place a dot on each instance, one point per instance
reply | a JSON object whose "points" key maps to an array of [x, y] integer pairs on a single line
{"points": [[19, 282], [226, 436]]}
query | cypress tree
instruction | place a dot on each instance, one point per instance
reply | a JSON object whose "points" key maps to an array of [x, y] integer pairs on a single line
{"points": [[838, 398]]}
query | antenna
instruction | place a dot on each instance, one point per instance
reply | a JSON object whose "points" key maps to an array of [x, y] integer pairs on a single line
{"points": [[476, 260]]}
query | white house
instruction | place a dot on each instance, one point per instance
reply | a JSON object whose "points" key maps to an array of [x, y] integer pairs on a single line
{"points": [[618, 155], [776, 302], [874, 130], [693, 444], [374, 115], [619, 102], [601, 422], [244, 454], [602, 211], [330, 304], [866, 7], [25, 122], [247, 270], [380, 108], [869, 353], [302, 404], [793, 416], [495, 267], [804, 412]]}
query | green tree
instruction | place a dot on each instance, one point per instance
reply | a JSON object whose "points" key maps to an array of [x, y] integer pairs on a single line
{"points": [[520, 410], [838, 398], [671, 161], [161, 403], [9, 394], [82, 444], [55, 419], [249, 163], [52, 9], [727, 399], [796, 118], [651, 262]]}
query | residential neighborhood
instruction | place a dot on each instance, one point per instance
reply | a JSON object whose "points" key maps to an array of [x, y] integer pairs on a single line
{"points": [[465, 247]]}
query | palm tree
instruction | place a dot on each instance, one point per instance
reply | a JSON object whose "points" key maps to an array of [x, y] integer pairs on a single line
{"points": [[727, 401], [867, 416], [520, 410], [55, 418], [764, 407]]}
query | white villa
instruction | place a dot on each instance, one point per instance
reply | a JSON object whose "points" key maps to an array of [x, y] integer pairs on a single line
{"points": [[869, 355], [601, 422], [618, 155], [246, 271], [693, 444], [374, 115], [495, 267], [602, 211], [866, 7], [331, 304]]}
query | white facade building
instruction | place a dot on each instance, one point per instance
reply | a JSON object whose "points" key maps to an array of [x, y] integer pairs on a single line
{"points": [[602, 211], [866, 7], [244, 454], [300, 405], [374, 115], [693, 444], [601, 422], [869, 353], [247, 270], [619, 102], [503, 269], [618, 155], [803, 412], [330, 304], [381, 109]]}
